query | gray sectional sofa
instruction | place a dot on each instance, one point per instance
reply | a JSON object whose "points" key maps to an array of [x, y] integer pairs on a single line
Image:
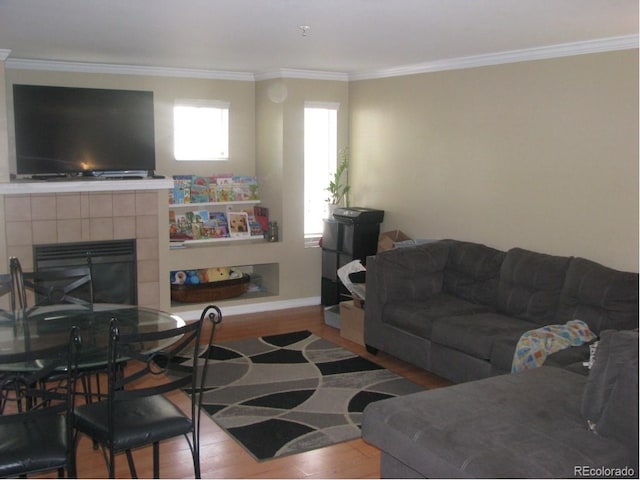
{"points": [[458, 309], [543, 423]]}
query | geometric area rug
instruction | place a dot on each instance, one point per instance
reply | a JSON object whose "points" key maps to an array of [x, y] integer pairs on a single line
{"points": [[289, 393]]}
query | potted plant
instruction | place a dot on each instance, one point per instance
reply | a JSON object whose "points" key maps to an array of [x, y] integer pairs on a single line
{"points": [[337, 189]]}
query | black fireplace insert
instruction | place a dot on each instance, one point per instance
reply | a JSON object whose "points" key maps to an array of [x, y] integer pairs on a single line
{"points": [[113, 267]]}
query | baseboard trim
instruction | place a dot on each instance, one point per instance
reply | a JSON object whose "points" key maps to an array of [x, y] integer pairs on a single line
{"points": [[255, 307]]}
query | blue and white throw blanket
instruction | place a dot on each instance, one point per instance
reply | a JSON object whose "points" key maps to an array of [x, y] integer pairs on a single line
{"points": [[535, 345]]}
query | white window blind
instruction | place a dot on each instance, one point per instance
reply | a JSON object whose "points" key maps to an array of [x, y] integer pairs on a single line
{"points": [[201, 130], [320, 157]]}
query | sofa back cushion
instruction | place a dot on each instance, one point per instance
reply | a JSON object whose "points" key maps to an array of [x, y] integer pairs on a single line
{"points": [[411, 273], [530, 285], [472, 272], [610, 399], [601, 297]]}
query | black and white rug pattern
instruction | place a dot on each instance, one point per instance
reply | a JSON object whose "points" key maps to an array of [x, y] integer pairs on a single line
{"points": [[289, 393]]}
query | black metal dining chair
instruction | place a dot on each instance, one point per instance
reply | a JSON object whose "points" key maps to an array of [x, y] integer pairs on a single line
{"points": [[36, 431], [7, 290], [73, 285], [68, 285], [137, 412], [9, 284]]}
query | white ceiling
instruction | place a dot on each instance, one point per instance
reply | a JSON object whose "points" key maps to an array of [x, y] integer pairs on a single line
{"points": [[259, 36]]}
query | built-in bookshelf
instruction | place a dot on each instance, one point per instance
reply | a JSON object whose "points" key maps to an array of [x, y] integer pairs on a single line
{"points": [[226, 232]]}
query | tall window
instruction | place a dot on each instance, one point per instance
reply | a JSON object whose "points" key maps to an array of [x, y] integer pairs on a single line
{"points": [[320, 152], [201, 130]]}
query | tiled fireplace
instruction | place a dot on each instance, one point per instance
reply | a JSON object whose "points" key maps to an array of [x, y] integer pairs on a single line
{"points": [[50, 218]]}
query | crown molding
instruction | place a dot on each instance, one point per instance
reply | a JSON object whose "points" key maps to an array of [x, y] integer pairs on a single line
{"points": [[86, 67], [513, 56], [302, 74], [539, 53]]}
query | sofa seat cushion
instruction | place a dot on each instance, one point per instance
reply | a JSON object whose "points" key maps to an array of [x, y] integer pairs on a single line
{"points": [[477, 334], [524, 425], [417, 316]]}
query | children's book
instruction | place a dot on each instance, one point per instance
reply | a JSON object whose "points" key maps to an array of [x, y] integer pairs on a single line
{"points": [[224, 179], [224, 193], [245, 187], [199, 190], [238, 224], [202, 216], [254, 227], [217, 225], [262, 217], [182, 189], [180, 227]]}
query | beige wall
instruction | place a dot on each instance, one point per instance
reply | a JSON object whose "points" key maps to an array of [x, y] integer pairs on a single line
{"points": [[4, 147], [541, 155], [4, 162]]}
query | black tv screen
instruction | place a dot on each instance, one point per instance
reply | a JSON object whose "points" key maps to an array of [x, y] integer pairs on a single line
{"points": [[69, 130]]}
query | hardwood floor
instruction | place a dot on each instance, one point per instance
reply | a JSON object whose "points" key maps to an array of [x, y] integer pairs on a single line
{"points": [[222, 457]]}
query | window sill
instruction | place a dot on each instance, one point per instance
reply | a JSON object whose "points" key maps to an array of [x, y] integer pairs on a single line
{"points": [[312, 241]]}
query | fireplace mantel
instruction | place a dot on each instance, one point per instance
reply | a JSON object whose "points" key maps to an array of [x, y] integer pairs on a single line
{"points": [[26, 187]]}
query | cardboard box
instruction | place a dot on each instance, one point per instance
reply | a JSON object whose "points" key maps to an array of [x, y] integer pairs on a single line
{"points": [[352, 322], [387, 240], [332, 316]]}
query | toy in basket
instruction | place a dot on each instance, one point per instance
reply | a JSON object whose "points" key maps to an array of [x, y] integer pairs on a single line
{"points": [[207, 284]]}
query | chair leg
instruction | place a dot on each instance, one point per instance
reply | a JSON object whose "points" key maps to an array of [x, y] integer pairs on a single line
{"points": [[196, 465], [112, 463], [195, 453], [156, 459], [71, 468], [132, 467]]}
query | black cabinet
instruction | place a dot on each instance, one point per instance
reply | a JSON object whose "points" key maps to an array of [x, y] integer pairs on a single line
{"points": [[351, 235]]}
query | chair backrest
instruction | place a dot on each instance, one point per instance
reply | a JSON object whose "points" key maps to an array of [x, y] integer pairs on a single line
{"points": [[9, 284], [201, 362], [5, 283], [177, 366], [7, 288], [64, 285], [36, 383]]}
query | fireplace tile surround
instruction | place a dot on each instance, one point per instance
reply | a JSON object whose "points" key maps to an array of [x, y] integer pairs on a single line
{"points": [[31, 219]]}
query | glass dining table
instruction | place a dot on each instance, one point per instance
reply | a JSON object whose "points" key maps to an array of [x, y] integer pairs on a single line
{"points": [[42, 327]]}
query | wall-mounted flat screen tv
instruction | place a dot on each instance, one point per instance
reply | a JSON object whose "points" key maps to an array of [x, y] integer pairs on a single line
{"points": [[82, 131]]}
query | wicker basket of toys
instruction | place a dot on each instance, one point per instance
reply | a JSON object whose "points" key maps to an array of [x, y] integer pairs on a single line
{"points": [[197, 286]]}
